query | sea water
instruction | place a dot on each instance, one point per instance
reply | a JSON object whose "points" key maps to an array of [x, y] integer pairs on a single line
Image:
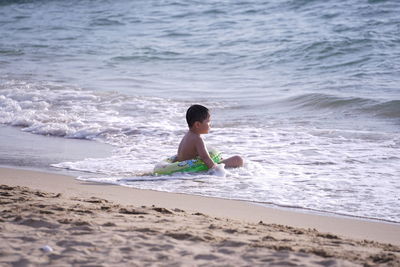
{"points": [[307, 92]]}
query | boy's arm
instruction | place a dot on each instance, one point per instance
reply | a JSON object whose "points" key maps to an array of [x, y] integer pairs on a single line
{"points": [[203, 153]]}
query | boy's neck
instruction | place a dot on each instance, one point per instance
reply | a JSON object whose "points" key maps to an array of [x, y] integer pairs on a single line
{"points": [[193, 131]]}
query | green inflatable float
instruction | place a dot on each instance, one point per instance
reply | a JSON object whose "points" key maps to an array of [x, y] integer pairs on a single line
{"points": [[169, 165]]}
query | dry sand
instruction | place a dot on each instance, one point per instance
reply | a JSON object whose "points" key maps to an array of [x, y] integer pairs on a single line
{"points": [[85, 228]]}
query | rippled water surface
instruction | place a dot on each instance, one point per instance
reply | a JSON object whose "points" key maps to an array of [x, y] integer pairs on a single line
{"points": [[306, 91]]}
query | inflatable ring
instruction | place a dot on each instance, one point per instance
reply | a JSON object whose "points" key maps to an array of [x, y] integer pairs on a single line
{"points": [[169, 165]]}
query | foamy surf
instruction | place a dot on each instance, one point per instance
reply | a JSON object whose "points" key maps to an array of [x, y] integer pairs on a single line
{"points": [[290, 162]]}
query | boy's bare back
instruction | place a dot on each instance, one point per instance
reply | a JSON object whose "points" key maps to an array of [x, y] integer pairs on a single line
{"points": [[188, 146], [192, 146]]}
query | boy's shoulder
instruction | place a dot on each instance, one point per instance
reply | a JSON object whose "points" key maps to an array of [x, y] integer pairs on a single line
{"points": [[193, 136], [192, 140]]}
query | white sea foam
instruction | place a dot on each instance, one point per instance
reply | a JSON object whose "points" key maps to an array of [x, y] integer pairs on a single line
{"points": [[51, 110]]}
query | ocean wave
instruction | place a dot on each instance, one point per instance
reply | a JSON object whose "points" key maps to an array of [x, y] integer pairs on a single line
{"points": [[11, 52], [146, 54], [106, 22], [388, 109], [321, 101], [356, 105], [47, 109], [11, 2]]}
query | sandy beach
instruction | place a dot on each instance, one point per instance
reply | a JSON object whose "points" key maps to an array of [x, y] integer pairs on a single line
{"points": [[52, 219]]}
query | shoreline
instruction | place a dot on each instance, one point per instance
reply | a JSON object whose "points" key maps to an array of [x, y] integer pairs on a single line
{"points": [[384, 232], [323, 213], [73, 174], [17, 151]]}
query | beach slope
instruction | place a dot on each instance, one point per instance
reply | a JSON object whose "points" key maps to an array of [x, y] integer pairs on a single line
{"points": [[54, 219]]}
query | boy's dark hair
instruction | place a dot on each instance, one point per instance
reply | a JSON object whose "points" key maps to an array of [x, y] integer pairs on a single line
{"points": [[196, 113]]}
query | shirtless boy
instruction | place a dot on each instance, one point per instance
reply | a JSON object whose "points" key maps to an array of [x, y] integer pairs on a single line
{"points": [[192, 145]]}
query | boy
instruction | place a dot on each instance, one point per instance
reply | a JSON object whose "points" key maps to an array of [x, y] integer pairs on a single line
{"points": [[192, 145]]}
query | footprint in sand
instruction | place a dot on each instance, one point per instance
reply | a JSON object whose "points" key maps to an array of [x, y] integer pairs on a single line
{"points": [[39, 224]]}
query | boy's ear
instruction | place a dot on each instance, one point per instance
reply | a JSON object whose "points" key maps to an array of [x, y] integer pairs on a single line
{"points": [[196, 124]]}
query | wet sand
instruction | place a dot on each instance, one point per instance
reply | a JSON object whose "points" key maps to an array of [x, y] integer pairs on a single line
{"points": [[86, 224], [19, 148]]}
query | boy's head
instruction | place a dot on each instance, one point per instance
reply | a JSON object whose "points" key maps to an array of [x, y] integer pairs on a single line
{"points": [[196, 113]]}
